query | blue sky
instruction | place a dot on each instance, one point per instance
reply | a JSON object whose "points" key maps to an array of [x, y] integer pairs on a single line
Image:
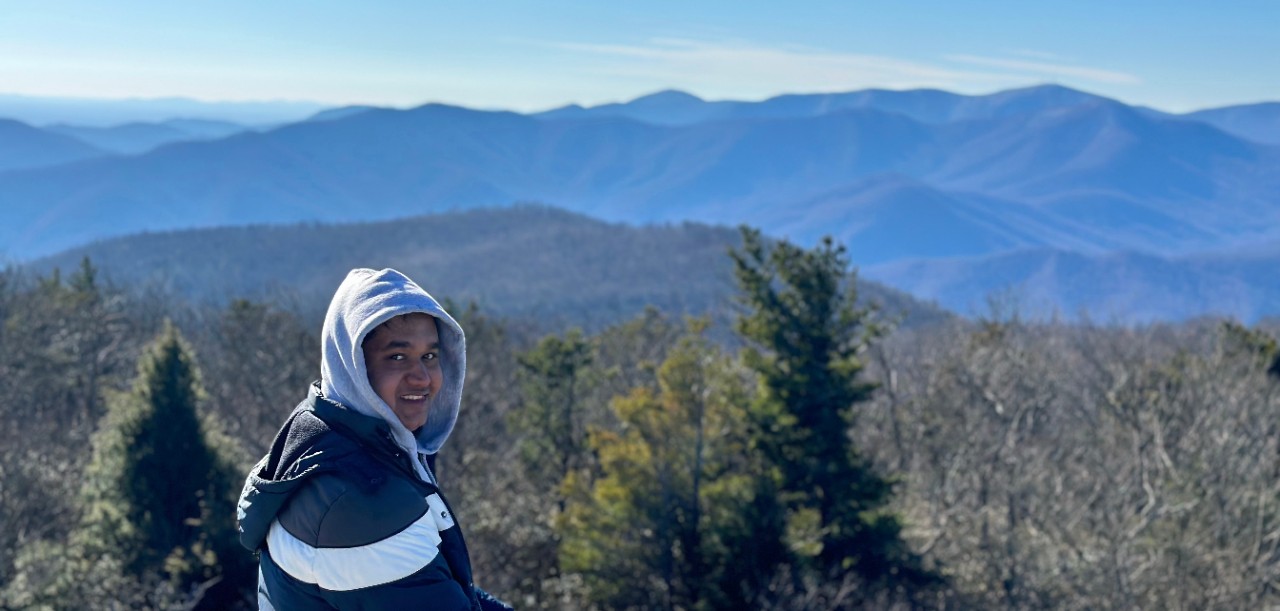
{"points": [[1176, 56]]}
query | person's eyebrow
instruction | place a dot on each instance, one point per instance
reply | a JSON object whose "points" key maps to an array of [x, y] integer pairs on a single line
{"points": [[401, 344]]}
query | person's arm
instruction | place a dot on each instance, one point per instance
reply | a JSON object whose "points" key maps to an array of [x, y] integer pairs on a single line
{"points": [[489, 603]]}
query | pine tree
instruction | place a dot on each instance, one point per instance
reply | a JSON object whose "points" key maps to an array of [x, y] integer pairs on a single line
{"points": [[553, 377], [554, 380], [158, 490], [668, 524], [806, 334]]}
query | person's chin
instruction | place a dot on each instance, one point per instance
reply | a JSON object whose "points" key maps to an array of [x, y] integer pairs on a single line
{"points": [[414, 419]]}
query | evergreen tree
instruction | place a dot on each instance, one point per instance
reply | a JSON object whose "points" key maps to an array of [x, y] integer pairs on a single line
{"points": [[806, 334], [663, 526], [64, 339], [159, 488], [554, 382], [554, 377]]}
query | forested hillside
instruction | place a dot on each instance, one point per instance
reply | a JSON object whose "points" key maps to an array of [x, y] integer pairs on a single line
{"points": [[530, 262], [824, 460]]}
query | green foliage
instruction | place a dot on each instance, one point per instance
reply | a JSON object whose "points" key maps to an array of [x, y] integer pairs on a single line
{"points": [[1041, 466], [1254, 345], [64, 340], [806, 340], [145, 478], [554, 380], [158, 487], [663, 527], [628, 354], [70, 323], [59, 575]]}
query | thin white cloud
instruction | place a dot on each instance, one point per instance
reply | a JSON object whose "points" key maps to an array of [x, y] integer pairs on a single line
{"points": [[737, 68], [1040, 55], [1049, 69]]}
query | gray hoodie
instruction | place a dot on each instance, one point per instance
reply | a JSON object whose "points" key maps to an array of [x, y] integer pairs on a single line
{"points": [[364, 300]]}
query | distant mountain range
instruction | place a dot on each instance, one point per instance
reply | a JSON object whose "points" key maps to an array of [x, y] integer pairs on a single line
{"points": [[23, 147], [1117, 287], [140, 137], [1257, 122], [908, 179], [45, 110], [554, 268]]}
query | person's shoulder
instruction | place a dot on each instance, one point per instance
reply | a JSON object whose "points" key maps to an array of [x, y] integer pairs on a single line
{"points": [[356, 504], [307, 442]]}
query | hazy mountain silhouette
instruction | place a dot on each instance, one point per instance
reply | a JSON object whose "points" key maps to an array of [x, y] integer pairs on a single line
{"points": [[1106, 153], [1256, 122], [43, 110], [134, 138], [890, 217], [23, 146], [897, 175], [1122, 287], [1106, 175], [673, 107], [341, 112]]}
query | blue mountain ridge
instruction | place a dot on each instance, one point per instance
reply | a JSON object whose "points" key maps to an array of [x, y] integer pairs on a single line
{"points": [[23, 146], [1118, 287], [44, 110], [140, 137], [673, 107], [899, 176], [1187, 186], [1256, 122]]}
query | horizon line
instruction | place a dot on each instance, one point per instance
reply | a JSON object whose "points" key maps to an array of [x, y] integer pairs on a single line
{"points": [[320, 105]]}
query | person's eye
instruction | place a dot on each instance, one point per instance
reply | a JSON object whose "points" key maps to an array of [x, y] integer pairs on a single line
{"points": [[396, 357], [430, 356]]}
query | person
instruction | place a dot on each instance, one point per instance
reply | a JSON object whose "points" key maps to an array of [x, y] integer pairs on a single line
{"points": [[346, 510]]}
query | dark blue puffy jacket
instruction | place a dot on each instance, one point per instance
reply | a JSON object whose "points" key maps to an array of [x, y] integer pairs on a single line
{"points": [[342, 521]]}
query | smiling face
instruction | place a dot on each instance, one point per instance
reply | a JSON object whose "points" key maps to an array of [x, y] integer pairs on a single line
{"points": [[403, 359]]}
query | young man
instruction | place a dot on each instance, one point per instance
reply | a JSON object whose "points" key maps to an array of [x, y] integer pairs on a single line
{"points": [[345, 509]]}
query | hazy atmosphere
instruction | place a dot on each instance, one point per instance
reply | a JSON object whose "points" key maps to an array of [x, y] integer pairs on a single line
{"points": [[519, 56], [805, 306]]}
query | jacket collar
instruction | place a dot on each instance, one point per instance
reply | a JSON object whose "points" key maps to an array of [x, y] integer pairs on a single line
{"points": [[360, 425]]}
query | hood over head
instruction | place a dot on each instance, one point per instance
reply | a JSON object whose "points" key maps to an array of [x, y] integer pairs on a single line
{"points": [[364, 300]]}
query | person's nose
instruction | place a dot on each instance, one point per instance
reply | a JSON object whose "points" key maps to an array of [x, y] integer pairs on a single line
{"points": [[421, 373]]}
